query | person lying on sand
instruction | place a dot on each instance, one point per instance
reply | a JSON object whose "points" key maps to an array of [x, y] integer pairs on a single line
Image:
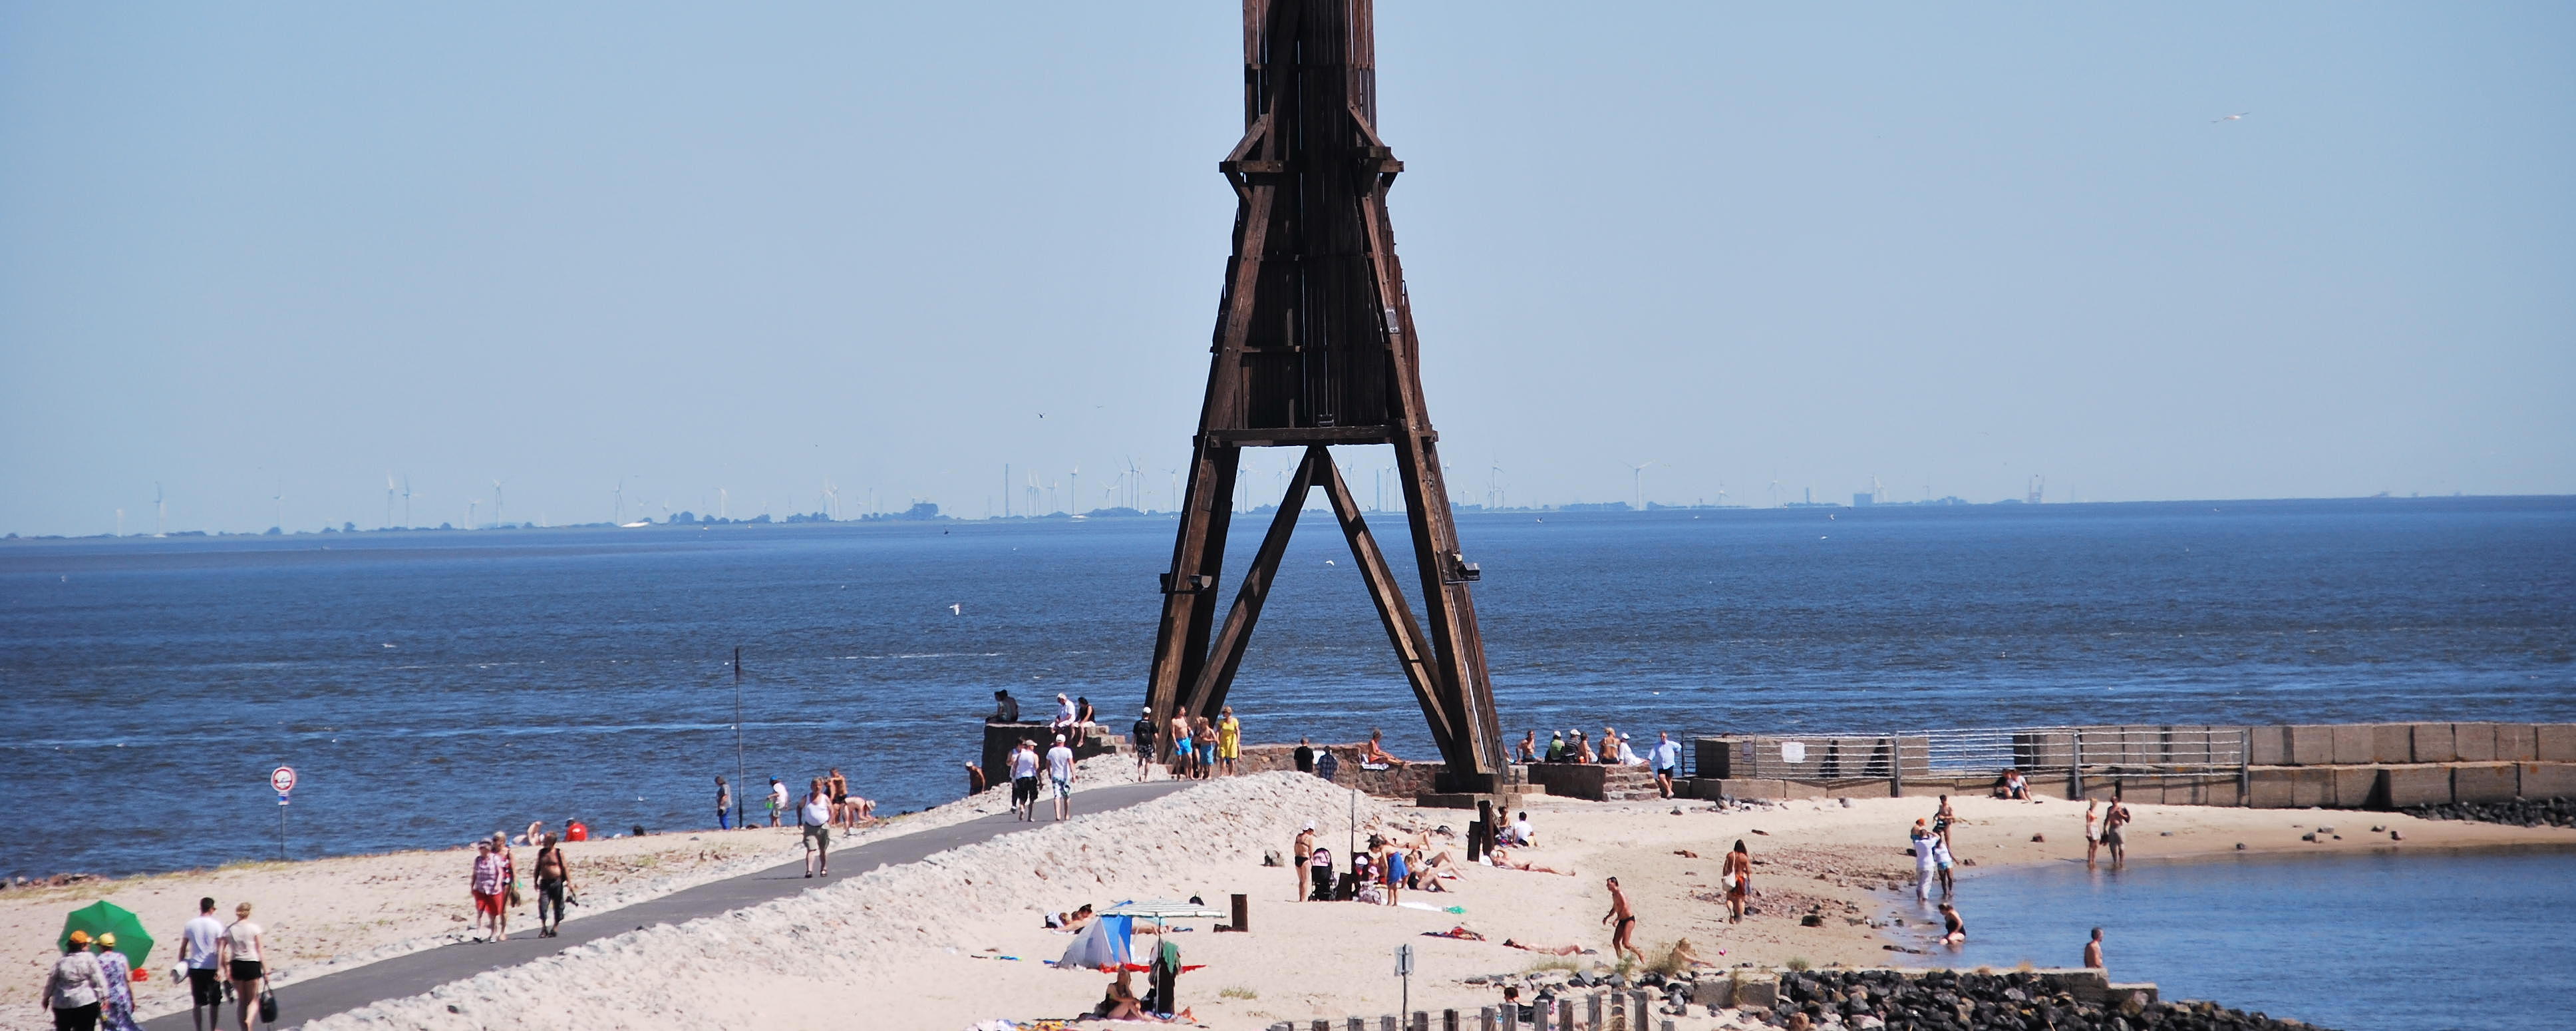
{"points": [[1552, 950], [1503, 861]]}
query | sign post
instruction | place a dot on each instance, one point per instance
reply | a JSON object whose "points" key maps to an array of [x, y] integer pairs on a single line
{"points": [[283, 779], [1404, 969]]}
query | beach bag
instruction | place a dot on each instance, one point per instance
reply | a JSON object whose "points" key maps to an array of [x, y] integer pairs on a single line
{"points": [[516, 899], [267, 1007]]}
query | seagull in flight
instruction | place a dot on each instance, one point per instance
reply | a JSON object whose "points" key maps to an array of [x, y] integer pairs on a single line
{"points": [[2237, 117], [956, 610]]}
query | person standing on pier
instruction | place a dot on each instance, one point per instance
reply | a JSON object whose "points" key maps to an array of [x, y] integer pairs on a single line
{"points": [[1668, 762], [1229, 741]]}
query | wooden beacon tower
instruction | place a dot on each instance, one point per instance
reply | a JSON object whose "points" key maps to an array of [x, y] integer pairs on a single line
{"points": [[1315, 347]]}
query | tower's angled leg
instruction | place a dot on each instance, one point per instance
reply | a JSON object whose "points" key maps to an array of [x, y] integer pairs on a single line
{"points": [[1207, 690], [1412, 651], [1189, 589]]}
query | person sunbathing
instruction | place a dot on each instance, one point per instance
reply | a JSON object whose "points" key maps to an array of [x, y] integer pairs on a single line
{"points": [[1372, 753], [1685, 957], [1552, 950], [1503, 860]]}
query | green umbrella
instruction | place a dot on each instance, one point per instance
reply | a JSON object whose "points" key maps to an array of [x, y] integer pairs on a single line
{"points": [[105, 918]]}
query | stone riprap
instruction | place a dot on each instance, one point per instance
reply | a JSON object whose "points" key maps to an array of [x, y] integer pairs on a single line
{"points": [[2521, 812], [1865, 1000]]}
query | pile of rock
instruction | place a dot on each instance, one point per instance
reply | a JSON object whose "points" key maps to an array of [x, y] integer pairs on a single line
{"points": [[55, 881], [2523, 812], [1865, 1000]]}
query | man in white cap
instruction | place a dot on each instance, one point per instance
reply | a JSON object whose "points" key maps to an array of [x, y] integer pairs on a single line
{"points": [[1059, 761], [1064, 717], [1142, 737]]}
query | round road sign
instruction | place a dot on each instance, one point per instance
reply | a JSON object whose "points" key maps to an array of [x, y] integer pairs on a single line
{"points": [[283, 779]]}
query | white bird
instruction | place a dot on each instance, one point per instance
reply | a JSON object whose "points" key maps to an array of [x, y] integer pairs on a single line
{"points": [[956, 610], [2237, 117], [1328, 562]]}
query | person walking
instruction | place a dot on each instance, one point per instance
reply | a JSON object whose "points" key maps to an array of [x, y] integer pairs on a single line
{"points": [[116, 1011], [1229, 741], [75, 988], [485, 882], [1059, 760], [1143, 733], [1024, 779], [816, 820], [554, 886], [509, 885], [1922, 841], [1737, 875], [777, 800], [1668, 762], [245, 950], [724, 806], [197, 948], [1623, 932]]}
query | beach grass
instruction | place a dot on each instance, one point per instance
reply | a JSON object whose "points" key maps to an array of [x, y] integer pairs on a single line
{"points": [[1238, 992], [1798, 963]]}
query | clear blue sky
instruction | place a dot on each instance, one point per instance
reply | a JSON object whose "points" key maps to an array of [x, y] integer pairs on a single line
{"points": [[755, 248]]}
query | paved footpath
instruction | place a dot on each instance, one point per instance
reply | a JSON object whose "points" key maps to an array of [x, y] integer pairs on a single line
{"points": [[414, 973]]}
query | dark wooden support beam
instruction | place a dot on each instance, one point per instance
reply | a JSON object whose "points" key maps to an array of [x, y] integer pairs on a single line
{"points": [[1225, 655], [1412, 651]]}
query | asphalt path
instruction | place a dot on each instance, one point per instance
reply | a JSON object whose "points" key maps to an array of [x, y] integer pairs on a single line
{"points": [[413, 973]]}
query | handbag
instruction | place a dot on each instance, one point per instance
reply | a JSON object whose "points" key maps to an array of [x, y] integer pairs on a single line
{"points": [[267, 1006], [516, 900]]}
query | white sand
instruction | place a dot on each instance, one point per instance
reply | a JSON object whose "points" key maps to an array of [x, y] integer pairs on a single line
{"points": [[899, 948]]}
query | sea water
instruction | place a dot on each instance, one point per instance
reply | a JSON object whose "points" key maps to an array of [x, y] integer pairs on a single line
{"points": [[433, 686], [2403, 939]]}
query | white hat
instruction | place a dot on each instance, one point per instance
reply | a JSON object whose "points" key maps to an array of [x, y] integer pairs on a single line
{"points": [[1059, 739], [1310, 825]]}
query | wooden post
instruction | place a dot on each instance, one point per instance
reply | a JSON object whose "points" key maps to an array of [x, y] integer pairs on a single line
{"points": [[1485, 1019], [1242, 913], [1592, 1012], [2075, 763], [1448, 1020]]}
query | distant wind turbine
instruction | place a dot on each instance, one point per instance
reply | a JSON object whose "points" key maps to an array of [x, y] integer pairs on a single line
{"points": [[280, 498], [406, 501], [160, 512], [496, 502], [1639, 468], [389, 499]]}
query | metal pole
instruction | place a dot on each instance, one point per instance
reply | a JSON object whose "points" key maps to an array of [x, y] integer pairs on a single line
{"points": [[281, 828], [740, 784]]}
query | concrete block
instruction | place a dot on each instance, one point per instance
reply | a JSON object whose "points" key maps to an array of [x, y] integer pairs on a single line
{"points": [[2354, 744], [1859, 789], [2182, 791], [1712, 991], [2270, 746], [2273, 787], [2517, 743], [2433, 743], [1757, 995], [2391, 743], [2484, 782], [1716, 756], [2546, 780], [2554, 742], [2311, 786], [2475, 742], [1800, 789], [1738, 787], [2311, 745], [2353, 786], [2403, 786]]}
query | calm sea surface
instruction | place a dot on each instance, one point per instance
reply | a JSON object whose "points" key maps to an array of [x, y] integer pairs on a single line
{"points": [[433, 686], [2362, 943]]}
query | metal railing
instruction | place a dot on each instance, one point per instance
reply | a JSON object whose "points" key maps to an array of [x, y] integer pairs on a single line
{"points": [[1981, 751]]}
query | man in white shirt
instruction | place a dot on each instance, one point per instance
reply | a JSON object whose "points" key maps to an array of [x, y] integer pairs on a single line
{"points": [[1059, 761], [777, 800], [1667, 758], [197, 948], [815, 816], [1024, 779], [1520, 833]]}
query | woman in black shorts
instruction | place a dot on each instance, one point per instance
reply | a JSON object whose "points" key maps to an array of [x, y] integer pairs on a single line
{"points": [[242, 951]]}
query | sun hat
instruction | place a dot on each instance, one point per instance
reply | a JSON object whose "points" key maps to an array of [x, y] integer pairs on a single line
{"points": [[107, 940], [80, 937]]}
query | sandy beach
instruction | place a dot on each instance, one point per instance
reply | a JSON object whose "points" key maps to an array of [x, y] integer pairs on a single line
{"points": [[958, 939]]}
